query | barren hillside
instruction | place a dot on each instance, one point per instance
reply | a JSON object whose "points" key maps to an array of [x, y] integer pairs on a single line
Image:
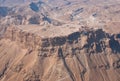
{"points": [[59, 40]]}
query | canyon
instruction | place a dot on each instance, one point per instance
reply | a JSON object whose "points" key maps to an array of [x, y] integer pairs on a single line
{"points": [[59, 40], [81, 55]]}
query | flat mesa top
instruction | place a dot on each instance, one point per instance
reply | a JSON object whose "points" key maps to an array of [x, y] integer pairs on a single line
{"points": [[113, 27], [52, 31], [64, 30]]}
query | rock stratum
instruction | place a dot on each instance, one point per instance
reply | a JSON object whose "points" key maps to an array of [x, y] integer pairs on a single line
{"points": [[59, 40], [85, 54]]}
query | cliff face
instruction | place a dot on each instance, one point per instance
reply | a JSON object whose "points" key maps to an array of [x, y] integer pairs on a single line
{"points": [[84, 55]]}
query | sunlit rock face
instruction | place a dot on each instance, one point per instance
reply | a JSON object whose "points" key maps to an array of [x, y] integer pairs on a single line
{"points": [[59, 40], [76, 56]]}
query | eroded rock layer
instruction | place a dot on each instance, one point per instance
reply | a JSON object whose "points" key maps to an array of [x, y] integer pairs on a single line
{"points": [[84, 55]]}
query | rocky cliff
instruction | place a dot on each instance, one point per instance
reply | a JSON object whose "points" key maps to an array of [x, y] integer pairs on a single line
{"points": [[84, 55]]}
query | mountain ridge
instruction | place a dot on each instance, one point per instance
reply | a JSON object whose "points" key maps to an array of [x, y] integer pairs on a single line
{"points": [[59, 40]]}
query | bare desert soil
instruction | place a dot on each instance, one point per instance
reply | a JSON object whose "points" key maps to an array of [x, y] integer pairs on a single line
{"points": [[60, 40]]}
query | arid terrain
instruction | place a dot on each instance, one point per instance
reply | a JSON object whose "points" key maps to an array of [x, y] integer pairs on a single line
{"points": [[59, 40]]}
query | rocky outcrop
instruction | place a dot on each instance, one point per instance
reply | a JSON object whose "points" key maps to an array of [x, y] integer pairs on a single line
{"points": [[94, 41], [85, 55]]}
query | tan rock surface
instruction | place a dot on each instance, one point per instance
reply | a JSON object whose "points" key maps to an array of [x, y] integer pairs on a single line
{"points": [[60, 40], [85, 55]]}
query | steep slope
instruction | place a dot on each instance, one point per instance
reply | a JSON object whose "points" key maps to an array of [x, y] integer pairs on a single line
{"points": [[82, 55], [59, 40]]}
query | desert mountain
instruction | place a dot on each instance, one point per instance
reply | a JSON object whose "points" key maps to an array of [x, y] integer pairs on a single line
{"points": [[59, 40]]}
